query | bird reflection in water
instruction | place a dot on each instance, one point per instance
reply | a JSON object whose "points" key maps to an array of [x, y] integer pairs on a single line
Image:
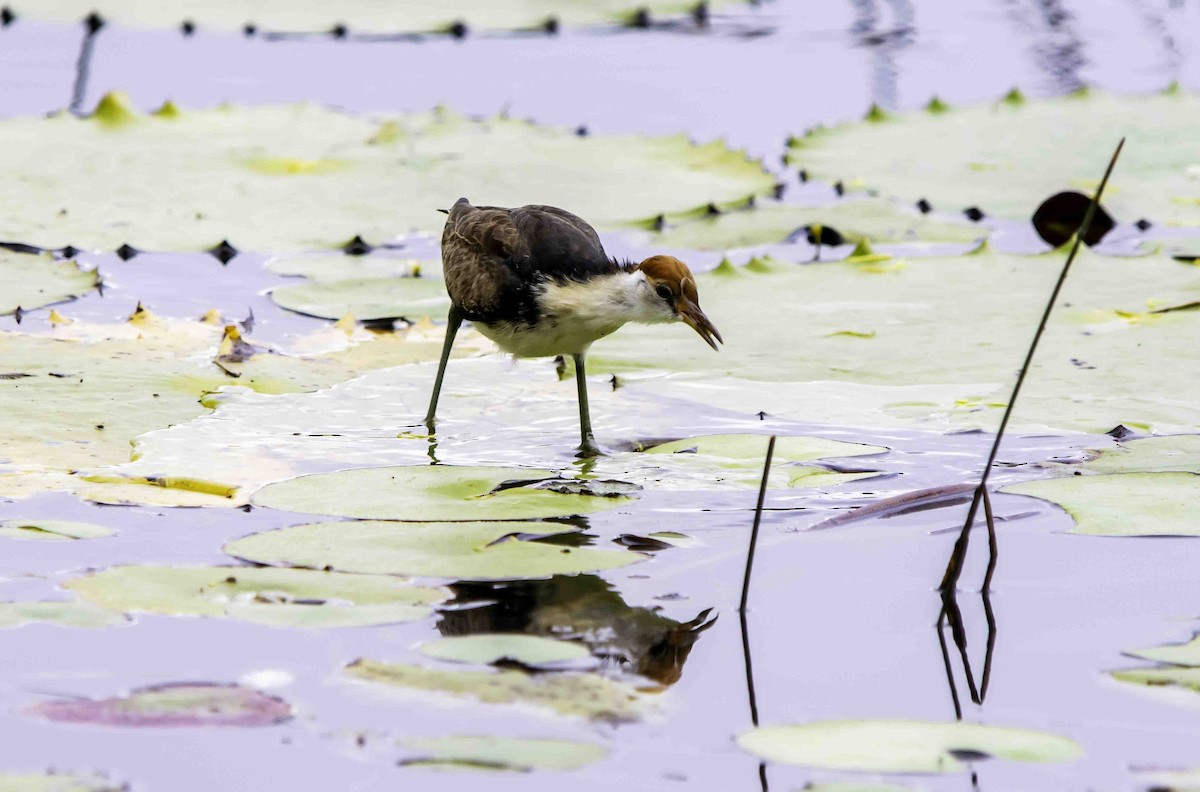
{"points": [[582, 608]]}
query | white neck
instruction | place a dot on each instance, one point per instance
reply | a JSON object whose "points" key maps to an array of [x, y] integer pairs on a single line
{"points": [[605, 302]]}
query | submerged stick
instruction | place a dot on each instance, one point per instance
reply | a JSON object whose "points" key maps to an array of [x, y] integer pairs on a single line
{"points": [[758, 510], [958, 556]]}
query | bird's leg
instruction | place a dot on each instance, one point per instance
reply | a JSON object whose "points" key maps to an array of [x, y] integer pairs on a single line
{"points": [[453, 322], [587, 443]]}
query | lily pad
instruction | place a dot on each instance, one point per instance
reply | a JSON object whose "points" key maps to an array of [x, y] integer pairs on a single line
{"points": [[869, 344], [273, 597], [1179, 453], [1187, 654], [501, 753], [464, 550], [1170, 780], [429, 493], [61, 613], [340, 267], [875, 220], [996, 156], [578, 694], [176, 705], [900, 746], [366, 298], [302, 177], [493, 648], [1187, 678], [1123, 504], [87, 390], [29, 281], [358, 15], [52, 530], [55, 782]]}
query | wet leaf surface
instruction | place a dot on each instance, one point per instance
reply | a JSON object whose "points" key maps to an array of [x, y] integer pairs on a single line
{"points": [[301, 176], [578, 695], [429, 493], [271, 597], [55, 782], [183, 705], [29, 281], [995, 155], [894, 746], [1123, 504], [52, 530], [63, 613], [465, 550], [500, 648]]}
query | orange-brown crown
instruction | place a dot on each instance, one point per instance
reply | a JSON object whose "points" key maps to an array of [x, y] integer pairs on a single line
{"points": [[672, 272]]}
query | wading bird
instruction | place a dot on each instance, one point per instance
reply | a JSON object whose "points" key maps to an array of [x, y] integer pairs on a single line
{"points": [[536, 280]]}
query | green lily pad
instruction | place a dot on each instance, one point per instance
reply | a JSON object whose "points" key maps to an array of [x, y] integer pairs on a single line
{"points": [[428, 493], [175, 705], [491, 648], [1187, 678], [273, 597], [1179, 453], [340, 267], [52, 530], [29, 281], [54, 782], [501, 753], [900, 746], [876, 220], [366, 298], [582, 695], [929, 343], [77, 398], [303, 177], [1170, 780], [464, 550], [996, 156], [62, 613], [1123, 504], [1187, 654], [360, 16]]}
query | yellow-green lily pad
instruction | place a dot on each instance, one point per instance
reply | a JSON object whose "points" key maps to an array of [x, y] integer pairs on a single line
{"points": [[272, 597], [1187, 678], [1187, 654], [56, 782], [63, 613], [52, 530], [366, 298], [903, 746], [583, 695], [298, 177], [460, 550], [1123, 504], [500, 753], [430, 493], [492, 648], [997, 156], [29, 281], [1179, 453]]}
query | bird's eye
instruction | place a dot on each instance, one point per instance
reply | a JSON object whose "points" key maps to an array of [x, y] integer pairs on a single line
{"points": [[663, 290]]}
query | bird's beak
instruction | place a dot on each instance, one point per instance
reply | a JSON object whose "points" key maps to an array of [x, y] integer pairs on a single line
{"points": [[690, 313]]}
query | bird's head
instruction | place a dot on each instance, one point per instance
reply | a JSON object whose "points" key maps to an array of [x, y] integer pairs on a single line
{"points": [[669, 294]]}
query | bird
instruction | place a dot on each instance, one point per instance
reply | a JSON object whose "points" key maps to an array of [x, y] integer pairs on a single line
{"points": [[536, 280]]}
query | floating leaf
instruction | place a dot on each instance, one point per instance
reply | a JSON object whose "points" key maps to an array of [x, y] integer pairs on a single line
{"points": [[1187, 678], [303, 176], [1093, 369], [1170, 780], [899, 746], [52, 530], [878, 220], [577, 694], [366, 298], [998, 155], [340, 267], [356, 16], [1187, 654], [274, 597], [429, 493], [54, 782], [1179, 453], [492, 648], [29, 281], [1123, 504], [62, 613], [501, 753], [464, 550], [176, 705]]}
